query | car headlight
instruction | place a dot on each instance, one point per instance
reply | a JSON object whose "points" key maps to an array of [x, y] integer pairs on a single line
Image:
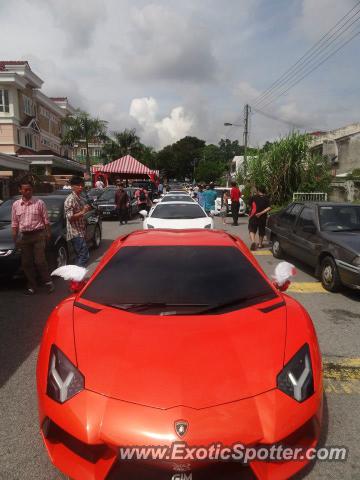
{"points": [[208, 225], [296, 378], [64, 379], [5, 253], [356, 261], [150, 226]]}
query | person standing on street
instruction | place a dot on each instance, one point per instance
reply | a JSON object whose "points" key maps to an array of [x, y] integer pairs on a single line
{"points": [[259, 207], [142, 199], [210, 197], [122, 203], [201, 196], [224, 207], [75, 211], [235, 195], [160, 188], [29, 218]]}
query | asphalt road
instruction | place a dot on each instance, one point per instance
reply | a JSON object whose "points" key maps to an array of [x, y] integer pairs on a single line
{"points": [[22, 319]]}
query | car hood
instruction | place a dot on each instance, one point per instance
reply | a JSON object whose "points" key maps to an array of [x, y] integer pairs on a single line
{"points": [[166, 361], [6, 241], [349, 240], [179, 223]]}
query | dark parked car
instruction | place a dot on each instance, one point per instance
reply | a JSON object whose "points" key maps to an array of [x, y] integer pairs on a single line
{"points": [[59, 250], [324, 235], [106, 202]]}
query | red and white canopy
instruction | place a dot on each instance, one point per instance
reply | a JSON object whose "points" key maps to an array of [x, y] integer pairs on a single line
{"points": [[127, 165]]}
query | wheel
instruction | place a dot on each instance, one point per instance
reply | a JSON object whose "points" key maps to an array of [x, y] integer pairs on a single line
{"points": [[61, 255], [276, 248], [329, 275], [97, 237]]}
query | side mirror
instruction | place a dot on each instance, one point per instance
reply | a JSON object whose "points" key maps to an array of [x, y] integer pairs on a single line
{"points": [[156, 200], [309, 229], [143, 213]]}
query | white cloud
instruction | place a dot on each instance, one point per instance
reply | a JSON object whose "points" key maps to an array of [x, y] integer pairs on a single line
{"points": [[164, 131], [166, 45]]}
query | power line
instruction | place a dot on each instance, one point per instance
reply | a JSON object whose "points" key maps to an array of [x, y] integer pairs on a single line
{"points": [[313, 63], [320, 44], [281, 120], [308, 72]]}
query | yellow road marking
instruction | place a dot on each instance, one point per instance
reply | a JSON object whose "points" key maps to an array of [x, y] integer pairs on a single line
{"points": [[262, 252], [342, 376], [307, 287]]}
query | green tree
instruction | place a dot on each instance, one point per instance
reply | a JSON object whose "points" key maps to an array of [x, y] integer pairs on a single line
{"points": [[123, 143], [181, 158], [286, 166], [81, 127]]}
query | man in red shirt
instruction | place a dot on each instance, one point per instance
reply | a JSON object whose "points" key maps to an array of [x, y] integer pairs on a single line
{"points": [[235, 195], [29, 218]]}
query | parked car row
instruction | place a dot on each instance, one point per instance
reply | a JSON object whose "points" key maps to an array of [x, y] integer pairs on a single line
{"points": [[324, 235], [106, 204], [59, 250]]}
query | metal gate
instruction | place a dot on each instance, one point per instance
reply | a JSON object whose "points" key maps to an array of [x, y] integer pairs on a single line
{"points": [[309, 197]]}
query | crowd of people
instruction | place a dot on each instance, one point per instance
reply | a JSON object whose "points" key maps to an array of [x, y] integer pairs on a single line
{"points": [[31, 226]]}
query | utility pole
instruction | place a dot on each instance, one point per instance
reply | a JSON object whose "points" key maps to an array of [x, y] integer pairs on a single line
{"points": [[247, 111]]}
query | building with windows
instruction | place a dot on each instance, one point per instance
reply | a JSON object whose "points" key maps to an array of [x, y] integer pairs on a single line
{"points": [[30, 121], [340, 146], [95, 152]]}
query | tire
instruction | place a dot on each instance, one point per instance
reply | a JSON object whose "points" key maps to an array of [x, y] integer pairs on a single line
{"points": [[276, 248], [329, 275], [97, 237], [61, 255]]}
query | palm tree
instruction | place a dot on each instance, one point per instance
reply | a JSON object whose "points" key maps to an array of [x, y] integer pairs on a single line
{"points": [[81, 127], [123, 143]]}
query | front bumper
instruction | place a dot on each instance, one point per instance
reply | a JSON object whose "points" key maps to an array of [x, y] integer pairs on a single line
{"points": [[349, 274], [83, 435], [11, 264]]}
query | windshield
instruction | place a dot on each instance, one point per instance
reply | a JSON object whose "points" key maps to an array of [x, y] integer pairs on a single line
{"points": [[55, 208], [177, 198], [178, 211], [108, 195], [340, 218], [180, 279], [5, 211]]}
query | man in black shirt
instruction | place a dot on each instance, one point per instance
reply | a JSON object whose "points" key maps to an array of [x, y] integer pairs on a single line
{"points": [[259, 207]]}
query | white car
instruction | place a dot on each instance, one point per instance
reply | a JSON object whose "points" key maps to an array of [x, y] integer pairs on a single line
{"points": [[177, 215], [176, 197], [220, 192]]}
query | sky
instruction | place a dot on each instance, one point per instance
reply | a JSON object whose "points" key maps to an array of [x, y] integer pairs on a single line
{"points": [[171, 69]]}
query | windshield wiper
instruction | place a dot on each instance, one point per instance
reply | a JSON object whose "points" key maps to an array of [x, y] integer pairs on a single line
{"points": [[243, 301], [141, 306]]}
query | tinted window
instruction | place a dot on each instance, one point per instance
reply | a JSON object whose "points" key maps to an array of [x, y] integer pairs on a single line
{"points": [[187, 278], [339, 218], [5, 211], [177, 211], [289, 216], [306, 218], [108, 195], [55, 207]]}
